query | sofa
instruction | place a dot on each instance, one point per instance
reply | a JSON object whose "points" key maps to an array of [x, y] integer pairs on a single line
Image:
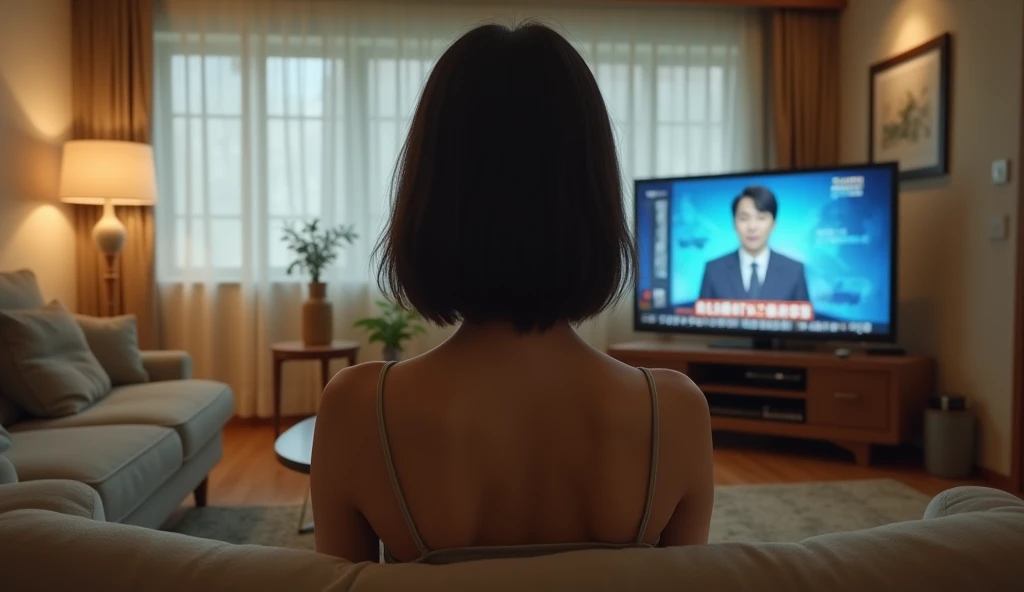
{"points": [[971, 538], [142, 448]]}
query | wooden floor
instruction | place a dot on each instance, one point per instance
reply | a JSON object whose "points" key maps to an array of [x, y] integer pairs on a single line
{"points": [[249, 473]]}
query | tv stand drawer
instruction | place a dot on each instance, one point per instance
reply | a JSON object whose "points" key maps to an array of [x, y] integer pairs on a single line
{"points": [[848, 399]]}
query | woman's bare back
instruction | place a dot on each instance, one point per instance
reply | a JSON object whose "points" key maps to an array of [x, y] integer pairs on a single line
{"points": [[500, 440]]}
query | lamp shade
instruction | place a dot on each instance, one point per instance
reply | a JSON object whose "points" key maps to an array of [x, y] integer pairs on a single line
{"points": [[95, 171]]}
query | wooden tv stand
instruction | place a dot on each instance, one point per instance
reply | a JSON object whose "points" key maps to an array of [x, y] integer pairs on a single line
{"points": [[854, 402]]}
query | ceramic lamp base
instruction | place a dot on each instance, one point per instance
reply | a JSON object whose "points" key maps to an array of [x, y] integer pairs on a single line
{"points": [[109, 233]]}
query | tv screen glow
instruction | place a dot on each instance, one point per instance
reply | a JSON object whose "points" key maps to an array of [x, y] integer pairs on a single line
{"points": [[805, 254]]}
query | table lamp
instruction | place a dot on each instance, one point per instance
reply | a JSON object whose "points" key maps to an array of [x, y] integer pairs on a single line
{"points": [[108, 173]]}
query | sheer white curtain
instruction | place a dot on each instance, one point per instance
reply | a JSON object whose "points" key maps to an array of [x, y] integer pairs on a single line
{"points": [[270, 111]]}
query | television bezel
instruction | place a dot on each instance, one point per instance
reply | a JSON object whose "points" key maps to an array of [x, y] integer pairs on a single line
{"points": [[849, 336]]}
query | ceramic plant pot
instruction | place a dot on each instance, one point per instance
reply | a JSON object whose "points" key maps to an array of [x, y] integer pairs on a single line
{"points": [[317, 317]]}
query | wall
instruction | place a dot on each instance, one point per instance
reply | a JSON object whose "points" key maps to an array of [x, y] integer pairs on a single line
{"points": [[35, 118], [956, 286]]}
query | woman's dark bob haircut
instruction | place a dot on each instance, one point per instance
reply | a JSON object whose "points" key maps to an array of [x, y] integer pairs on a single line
{"points": [[507, 200]]}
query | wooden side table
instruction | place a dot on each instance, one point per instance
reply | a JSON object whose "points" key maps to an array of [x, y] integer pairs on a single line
{"points": [[297, 350]]}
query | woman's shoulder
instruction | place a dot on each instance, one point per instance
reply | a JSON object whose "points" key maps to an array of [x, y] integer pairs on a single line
{"points": [[677, 394], [360, 374], [350, 391], [685, 438]]}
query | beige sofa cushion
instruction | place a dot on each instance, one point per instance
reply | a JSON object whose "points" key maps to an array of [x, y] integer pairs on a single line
{"points": [[115, 343], [45, 363], [195, 409], [125, 464]]}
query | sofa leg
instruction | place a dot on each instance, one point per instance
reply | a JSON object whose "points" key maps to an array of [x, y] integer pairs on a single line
{"points": [[200, 493]]}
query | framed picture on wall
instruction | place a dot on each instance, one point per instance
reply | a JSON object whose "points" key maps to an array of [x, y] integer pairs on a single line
{"points": [[909, 110]]}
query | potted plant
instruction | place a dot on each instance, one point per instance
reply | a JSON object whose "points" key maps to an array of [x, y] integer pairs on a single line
{"points": [[315, 249], [394, 326]]}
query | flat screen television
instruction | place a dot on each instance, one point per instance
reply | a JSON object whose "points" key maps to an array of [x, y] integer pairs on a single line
{"points": [[797, 254]]}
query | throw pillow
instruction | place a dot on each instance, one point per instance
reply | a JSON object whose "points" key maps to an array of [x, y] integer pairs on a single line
{"points": [[115, 343], [19, 289], [45, 362]]}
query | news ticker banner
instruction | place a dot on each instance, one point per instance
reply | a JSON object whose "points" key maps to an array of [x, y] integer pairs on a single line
{"points": [[754, 309]]}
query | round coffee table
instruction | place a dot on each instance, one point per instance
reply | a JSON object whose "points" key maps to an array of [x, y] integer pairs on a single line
{"points": [[294, 448]]}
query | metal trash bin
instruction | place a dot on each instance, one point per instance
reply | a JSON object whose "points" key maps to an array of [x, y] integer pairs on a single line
{"points": [[949, 437]]}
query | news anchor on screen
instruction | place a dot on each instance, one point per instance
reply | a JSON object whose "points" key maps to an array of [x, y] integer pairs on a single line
{"points": [[754, 272]]}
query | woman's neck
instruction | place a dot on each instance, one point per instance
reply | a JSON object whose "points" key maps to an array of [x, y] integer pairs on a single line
{"points": [[492, 333]]}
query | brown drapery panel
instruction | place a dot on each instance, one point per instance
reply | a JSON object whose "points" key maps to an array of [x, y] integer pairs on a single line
{"points": [[805, 87], [112, 98]]}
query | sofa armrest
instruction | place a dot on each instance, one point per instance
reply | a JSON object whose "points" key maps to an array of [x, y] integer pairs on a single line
{"points": [[56, 495], [46, 551], [167, 365], [964, 500]]}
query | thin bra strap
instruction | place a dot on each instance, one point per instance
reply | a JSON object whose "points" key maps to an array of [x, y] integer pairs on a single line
{"points": [[655, 432], [391, 465]]}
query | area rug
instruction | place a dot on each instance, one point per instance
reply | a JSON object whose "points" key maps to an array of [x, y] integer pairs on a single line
{"points": [[751, 513]]}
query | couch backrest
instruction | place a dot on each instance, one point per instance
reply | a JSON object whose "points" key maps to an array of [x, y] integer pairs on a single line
{"points": [[18, 290], [975, 551]]}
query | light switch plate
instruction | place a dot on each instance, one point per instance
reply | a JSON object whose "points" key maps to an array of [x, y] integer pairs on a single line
{"points": [[1000, 171], [998, 228]]}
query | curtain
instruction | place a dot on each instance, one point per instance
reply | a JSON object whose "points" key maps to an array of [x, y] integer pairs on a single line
{"points": [[272, 111], [112, 86], [805, 87]]}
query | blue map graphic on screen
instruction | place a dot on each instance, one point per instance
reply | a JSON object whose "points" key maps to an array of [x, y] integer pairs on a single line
{"points": [[817, 237]]}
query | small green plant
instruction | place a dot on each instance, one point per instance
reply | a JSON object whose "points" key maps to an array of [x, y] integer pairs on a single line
{"points": [[394, 326], [314, 248]]}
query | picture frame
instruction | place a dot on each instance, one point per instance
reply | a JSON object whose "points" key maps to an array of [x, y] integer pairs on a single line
{"points": [[909, 110]]}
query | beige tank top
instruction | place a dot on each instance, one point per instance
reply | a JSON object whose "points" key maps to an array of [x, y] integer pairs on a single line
{"points": [[443, 556]]}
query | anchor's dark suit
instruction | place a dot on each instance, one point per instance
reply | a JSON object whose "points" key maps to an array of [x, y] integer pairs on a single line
{"points": [[784, 279]]}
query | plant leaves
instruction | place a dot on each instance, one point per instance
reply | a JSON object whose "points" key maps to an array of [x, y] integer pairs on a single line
{"points": [[315, 248], [393, 326]]}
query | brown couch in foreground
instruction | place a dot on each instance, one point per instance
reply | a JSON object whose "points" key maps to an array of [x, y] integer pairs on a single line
{"points": [[971, 538]]}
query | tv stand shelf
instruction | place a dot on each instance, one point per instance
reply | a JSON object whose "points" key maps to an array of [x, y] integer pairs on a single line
{"points": [[725, 389], [854, 402]]}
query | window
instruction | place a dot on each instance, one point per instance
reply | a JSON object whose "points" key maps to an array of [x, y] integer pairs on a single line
{"points": [[206, 143], [255, 130]]}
